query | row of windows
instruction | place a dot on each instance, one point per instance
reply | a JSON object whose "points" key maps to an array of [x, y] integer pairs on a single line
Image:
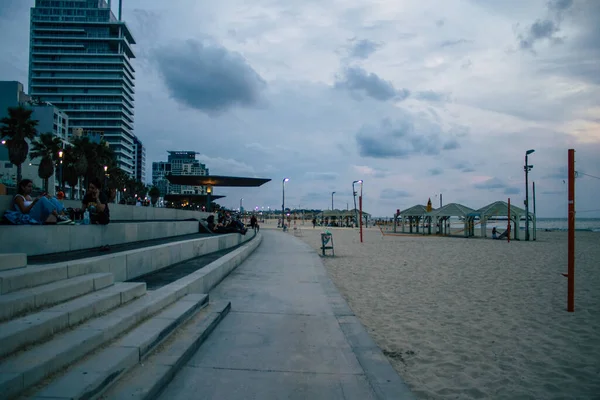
{"points": [[55, 67], [73, 90], [82, 99]]}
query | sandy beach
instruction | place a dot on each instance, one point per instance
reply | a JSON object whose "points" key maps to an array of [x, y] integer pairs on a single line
{"points": [[476, 318]]}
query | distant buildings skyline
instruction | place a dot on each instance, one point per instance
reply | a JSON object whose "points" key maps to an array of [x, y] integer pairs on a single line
{"points": [[178, 163]]}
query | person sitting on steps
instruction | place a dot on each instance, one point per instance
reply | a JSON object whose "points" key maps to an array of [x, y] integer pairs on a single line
{"points": [[43, 209], [96, 202]]}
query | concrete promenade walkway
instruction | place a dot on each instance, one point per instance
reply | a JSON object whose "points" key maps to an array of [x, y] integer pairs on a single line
{"points": [[289, 335]]}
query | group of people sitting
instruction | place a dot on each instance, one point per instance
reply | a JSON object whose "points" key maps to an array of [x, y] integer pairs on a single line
{"points": [[226, 224], [46, 209]]}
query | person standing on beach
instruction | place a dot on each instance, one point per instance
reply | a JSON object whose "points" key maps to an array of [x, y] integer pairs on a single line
{"points": [[494, 233]]}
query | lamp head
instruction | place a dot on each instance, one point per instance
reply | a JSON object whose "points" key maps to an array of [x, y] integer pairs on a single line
{"points": [[528, 152], [286, 179], [209, 189]]}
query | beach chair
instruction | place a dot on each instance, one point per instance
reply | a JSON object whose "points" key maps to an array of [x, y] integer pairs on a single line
{"points": [[327, 243]]}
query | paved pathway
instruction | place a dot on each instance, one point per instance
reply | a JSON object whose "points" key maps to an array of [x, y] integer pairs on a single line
{"points": [[289, 335]]}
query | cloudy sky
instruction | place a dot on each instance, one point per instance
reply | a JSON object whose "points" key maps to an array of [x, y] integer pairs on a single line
{"points": [[417, 98]]}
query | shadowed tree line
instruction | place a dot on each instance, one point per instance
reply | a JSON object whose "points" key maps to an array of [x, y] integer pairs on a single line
{"points": [[82, 159]]}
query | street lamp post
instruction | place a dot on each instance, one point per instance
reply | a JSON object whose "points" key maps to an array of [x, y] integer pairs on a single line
{"points": [[527, 168], [360, 206], [332, 193], [354, 197], [105, 177], [241, 204], [283, 202], [60, 156]]}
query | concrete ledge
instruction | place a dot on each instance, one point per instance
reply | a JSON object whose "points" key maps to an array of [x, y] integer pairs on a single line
{"points": [[90, 378], [120, 212], [33, 328], [146, 381], [12, 261], [124, 266], [26, 369], [203, 280], [50, 239], [18, 303]]}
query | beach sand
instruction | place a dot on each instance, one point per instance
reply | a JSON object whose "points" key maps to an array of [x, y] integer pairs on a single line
{"points": [[475, 318]]}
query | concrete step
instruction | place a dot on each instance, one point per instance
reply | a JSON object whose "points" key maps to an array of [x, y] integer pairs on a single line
{"points": [[18, 279], [100, 370], [12, 261], [24, 301], [145, 381], [36, 327], [26, 369]]}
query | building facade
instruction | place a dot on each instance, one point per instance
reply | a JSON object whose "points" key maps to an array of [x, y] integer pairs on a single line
{"points": [[178, 163], [50, 120], [80, 60], [140, 160]]}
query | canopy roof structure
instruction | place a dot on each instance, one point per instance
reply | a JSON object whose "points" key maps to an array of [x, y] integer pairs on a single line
{"points": [[191, 198], [451, 210], [498, 208], [216, 180], [415, 211], [342, 213]]}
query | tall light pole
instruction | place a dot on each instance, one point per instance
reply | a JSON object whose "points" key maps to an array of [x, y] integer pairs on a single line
{"points": [[60, 154], [527, 168], [332, 193], [354, 197], [105, 177], [360, 206], [241, 204], [283, 201]]}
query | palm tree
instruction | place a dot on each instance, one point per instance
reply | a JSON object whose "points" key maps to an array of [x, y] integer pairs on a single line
{"points": [[154, 195], [47, 147], [18, 127], [74, 165]]}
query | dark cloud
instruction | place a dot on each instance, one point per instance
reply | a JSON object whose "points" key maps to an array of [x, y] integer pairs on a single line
{"points": [[392, 194], [362, 49], [493, 183], [547, 28], [431, 95], [208, 77], [435, 171], [322, 176], [402, 138], [451, 144], [512, 190], [357, 79], [463, 167], [558, 173], [451, 43]]}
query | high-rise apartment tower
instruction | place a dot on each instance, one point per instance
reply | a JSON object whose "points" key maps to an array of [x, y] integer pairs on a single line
{"points": [[80, 60]]}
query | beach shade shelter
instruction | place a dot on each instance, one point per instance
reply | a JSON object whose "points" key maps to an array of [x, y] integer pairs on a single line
{"points": [[413, 215], [452, 210], [500, 209]]}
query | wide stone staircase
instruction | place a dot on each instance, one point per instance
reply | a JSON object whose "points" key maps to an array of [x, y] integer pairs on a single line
{"points": [[75, 337]]}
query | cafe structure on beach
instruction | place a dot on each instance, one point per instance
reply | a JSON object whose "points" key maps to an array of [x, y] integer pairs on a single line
{"points": [[423, 219], [210, 182]]}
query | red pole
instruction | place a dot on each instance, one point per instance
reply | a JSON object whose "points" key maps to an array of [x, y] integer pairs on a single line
{"points": [[508, 227], [360, 215], [571, 252]]}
